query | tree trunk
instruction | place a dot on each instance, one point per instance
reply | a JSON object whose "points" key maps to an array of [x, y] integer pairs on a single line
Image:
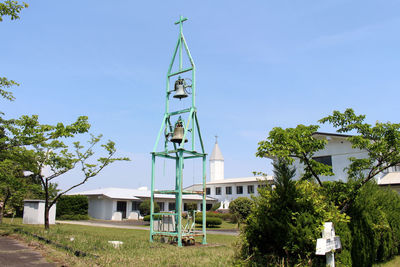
{"points": [[3, 205], [46, 207]]}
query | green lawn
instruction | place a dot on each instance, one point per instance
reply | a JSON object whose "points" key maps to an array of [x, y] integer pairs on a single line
{"points": [[136, 250]]}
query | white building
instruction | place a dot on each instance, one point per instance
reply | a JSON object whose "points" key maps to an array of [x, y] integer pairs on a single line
{"points": [[226, 190], [336, 154], [123, 203]]}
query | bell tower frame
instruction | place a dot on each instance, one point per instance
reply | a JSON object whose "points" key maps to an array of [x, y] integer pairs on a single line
{"points": [[176, 150]]}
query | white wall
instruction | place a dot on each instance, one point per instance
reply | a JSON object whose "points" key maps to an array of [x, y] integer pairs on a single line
{"points": [[340, 150], [216, 170], [34, 213]]}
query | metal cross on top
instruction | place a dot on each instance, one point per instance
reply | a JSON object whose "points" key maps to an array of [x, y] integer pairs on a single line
{"points": [[180, 22]]}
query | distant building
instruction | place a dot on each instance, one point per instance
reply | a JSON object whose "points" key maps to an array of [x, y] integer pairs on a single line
{"points": [[123, 203], [226, 190]]}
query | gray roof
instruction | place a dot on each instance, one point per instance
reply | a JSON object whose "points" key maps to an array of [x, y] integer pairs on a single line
{"points": [[133, 194], [216, 153]]}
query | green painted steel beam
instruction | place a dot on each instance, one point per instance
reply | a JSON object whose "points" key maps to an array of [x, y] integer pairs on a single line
{"points": [[186, 110], [179, 72]]}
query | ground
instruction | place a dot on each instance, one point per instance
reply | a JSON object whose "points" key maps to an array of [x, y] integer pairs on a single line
{"points": [[136, 250]]}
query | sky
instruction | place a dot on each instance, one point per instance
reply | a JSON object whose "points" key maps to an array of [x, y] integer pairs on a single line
{"points": [[260, 64]]}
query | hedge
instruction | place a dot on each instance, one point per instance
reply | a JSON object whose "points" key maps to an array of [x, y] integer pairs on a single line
{"points": [[72, 206], [155, 217], [210, 221]]}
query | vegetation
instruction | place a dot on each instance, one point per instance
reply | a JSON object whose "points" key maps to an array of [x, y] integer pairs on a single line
{"points": [[144, 207], [72, 208], [240, 208], [135, 251], [284, 223], [210, 221]]}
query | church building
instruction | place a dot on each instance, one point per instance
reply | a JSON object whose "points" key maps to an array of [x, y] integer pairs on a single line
{"points": [[227, 189]]}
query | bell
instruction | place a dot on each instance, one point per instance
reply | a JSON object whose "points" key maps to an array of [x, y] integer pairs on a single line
{"points": [[178, 133], [180, 91]]}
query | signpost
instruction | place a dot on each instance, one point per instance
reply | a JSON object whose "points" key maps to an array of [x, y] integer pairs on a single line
{"points": [[328, 244]]}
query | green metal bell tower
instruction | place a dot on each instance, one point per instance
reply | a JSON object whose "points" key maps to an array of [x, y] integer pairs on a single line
{"points": [[177, 128]]}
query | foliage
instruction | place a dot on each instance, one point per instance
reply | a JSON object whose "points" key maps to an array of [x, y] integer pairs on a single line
{"points": [[191, 207], [215, 206], [144, 207], [11, 9], [285, 223], [72, 205], [155, 217], [210, 221], [375, 225], [240, 208], [74, 217], [223, 216]]}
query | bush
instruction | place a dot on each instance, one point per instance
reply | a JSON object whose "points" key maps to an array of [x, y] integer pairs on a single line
{"points": [[72, 206], [240, 208], [76, 217], [144, 207], [215, 206], [375, 225], [285, 223], [155, 217], [210, 221]]}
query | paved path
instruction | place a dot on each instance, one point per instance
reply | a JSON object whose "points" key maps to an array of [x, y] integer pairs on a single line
{"points": [[116, 225], [15, 254]]}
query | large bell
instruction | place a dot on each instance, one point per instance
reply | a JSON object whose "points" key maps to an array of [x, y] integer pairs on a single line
{"points": [[180, 91], [177, 136]]}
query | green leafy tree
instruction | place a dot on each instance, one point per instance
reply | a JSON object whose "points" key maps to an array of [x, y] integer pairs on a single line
{"points": [[56, 155], [240, 208], [381, 141], [144, 207]]}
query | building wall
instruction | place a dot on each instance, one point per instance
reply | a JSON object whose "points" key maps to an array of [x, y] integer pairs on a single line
{"points": [[34, 213], [101, 208], [216, 170], [340, 150]]}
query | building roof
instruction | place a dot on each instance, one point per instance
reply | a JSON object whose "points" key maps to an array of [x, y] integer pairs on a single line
{"points": [[331, 134], [133, 194], [240, 180], [392, 178], [216, 153]]}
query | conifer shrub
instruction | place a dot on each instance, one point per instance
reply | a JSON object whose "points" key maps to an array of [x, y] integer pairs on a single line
{"points": [[72, 207], [285, 222]]}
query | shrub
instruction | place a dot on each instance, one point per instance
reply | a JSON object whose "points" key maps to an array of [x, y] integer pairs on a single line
{"points": [[375, 225], [155, 217], [210, 221], [72, 206], [215, 206], [284, 223], [144, 207], [76, 217], [240, 208]]}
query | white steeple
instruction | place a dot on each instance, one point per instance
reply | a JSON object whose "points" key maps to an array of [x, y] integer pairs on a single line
{"points": [[216, 163]]}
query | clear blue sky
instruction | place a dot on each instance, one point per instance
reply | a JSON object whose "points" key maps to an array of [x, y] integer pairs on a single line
{"points": [[260, 64]]}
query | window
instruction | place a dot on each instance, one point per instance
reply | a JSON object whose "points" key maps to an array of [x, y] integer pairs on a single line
{"points": [[208, 191], [161, 205], [218, 190], [228, 190], [135, 205], [171, 206], [327, 160], [239, 189], [208, 206], [250, 189]]}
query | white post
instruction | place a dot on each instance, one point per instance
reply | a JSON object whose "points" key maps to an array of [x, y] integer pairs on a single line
{"points": [[330, 259]]}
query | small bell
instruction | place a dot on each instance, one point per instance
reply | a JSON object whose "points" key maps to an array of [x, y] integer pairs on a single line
{"points": [[177, 136], [180, 91]]}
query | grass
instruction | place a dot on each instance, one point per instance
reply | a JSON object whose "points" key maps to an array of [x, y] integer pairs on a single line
{"points": [[136, 250]]}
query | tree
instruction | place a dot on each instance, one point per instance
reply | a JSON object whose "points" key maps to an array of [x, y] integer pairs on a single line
{"points": [[240, 208], [285, 222], [381, 142], [56, 155], [144, 207]]}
